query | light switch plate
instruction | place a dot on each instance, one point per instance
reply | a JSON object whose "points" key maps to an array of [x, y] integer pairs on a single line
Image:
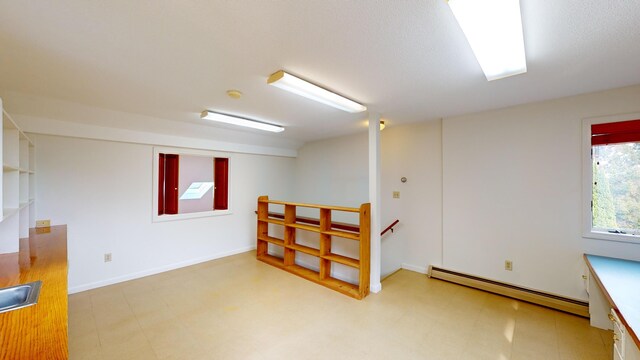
{"points": [[508, 265]]}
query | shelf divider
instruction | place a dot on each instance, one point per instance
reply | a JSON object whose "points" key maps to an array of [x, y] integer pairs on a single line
{"points": [[325, 243], [289, 234]]}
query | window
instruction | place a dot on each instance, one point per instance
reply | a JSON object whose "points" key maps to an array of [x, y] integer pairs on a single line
{"points": [[190, 183], [613, 174], [196, 190]]}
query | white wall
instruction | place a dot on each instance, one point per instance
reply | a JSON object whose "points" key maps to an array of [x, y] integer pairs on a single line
{"points": [[481, 188], [412, 151], [103, 191], [512, 190], [333, 172]]}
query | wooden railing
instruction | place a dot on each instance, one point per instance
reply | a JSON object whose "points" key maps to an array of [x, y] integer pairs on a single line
{"points": [[326, 230], [334, 224], [390, 227], [312, 221]]}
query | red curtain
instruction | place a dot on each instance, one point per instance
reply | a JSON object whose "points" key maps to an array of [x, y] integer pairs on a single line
{"points": [[171, 184], [168, 167], [615, 132], [161, 184], [221, 182]]}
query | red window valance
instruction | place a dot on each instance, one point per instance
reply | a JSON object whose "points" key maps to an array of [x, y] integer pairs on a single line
{"points": [[615, 132]]}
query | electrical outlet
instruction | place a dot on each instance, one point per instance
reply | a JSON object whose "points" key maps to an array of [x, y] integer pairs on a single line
{"points": [[107, 257], [396, 194], [508, 265], [43, 223]]}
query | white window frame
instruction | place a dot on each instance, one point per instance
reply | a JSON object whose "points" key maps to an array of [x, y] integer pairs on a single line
{"points": [[185, 151], [587, 180]]}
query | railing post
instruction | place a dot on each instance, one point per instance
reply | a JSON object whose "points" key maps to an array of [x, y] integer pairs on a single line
{"points": [[325, 243], [365, 248], [263, 227], [289, 234]]}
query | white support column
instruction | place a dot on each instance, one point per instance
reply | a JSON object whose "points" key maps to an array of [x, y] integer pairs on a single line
{"points": [[374, 199]]}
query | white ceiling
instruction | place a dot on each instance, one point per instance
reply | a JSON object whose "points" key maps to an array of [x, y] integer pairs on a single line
{"points": [[407, 60]]}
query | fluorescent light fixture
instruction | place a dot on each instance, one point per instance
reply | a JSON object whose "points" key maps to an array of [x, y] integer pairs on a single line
{"points": [[304, 88], [494, 31], [196, 190], [235, 120]]}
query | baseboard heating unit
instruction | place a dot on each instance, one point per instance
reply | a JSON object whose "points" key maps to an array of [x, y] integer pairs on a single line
{"points": [[553, 301]]}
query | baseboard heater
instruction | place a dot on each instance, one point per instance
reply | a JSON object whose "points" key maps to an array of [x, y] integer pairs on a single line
{"points": [[553, 301]]}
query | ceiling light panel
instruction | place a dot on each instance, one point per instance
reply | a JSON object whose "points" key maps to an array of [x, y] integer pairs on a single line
{"points": [[494, 30], [240, 121], [286, 81]]}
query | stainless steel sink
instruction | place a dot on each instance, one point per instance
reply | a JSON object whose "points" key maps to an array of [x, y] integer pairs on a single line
{"points": [[16, 297]]}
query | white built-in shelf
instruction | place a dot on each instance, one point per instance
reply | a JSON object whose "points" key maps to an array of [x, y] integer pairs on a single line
{"points": [[17, 184]]}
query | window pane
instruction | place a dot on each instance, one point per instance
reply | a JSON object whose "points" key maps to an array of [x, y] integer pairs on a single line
{"points": [[192, 183], [196, 170], [616, 187]]}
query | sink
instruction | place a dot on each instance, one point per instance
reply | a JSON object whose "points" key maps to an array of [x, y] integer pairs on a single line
{"points": [[16, 297]]}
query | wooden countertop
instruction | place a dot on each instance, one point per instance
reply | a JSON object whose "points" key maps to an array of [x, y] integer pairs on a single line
{"points": [[620, 282], [38, 331]]}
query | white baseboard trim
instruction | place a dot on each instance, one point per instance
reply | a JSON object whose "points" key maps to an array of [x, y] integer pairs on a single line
{"points": [[141, 274], [418, 269]]}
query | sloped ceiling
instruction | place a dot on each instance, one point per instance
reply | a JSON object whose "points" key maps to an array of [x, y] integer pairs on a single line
{"points": [[407, 60]]}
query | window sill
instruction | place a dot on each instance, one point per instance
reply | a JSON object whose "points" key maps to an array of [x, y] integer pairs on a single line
{"points": [[163, 218], [598, 235]]}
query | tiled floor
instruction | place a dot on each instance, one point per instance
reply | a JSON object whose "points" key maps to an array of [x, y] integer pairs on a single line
{"points": [[239, 308]]}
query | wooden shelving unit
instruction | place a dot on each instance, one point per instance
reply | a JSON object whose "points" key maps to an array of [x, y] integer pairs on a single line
{"points": [[326, 231], [17, 183]]}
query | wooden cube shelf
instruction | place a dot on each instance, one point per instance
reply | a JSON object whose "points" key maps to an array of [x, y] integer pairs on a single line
{"points": [[326, 230]]}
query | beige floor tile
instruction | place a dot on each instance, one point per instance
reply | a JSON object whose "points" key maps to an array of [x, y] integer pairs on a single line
{"points": [[154, 316], [134, 348], [173, 341], [132, 288], [81, 322], [104, 298], [85, 356], [80, 301], [121, 332], [109, 316], [240, 308], [84, 346], [525, 349]]}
